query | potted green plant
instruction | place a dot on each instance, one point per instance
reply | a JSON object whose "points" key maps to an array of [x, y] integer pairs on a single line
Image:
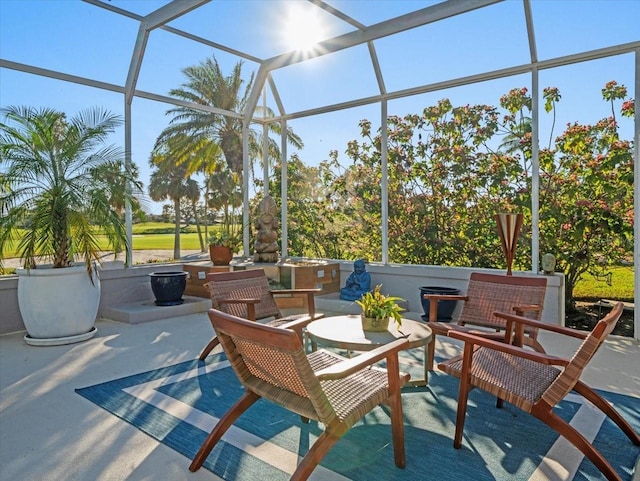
{"points": [[225, 241], [57, 208], [378, 308]]}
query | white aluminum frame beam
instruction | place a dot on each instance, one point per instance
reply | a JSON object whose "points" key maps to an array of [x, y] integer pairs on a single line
{"points": [[535, 138], [181, 33], [372, 50], [636, 206], [43, 72], [392, 26], [152, 21]]}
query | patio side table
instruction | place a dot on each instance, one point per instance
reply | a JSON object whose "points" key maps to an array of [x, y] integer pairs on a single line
{"points": [[345, 332]]}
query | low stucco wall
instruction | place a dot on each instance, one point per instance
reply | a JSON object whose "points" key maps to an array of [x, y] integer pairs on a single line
{"points": [[122, 286], [405, 281]]}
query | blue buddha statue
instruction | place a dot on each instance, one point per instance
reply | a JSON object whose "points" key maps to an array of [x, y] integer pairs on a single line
{"points": [[358, 282]]}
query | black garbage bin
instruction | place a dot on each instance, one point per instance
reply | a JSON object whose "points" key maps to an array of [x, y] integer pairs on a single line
{"points": [[445, 308]]}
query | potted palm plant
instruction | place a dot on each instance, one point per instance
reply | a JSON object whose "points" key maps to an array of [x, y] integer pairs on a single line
{"points": [[378, 308], [56, 204]]}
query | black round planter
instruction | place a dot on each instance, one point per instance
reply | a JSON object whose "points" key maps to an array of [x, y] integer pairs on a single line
{"points": [[168, 287], [445, 308]]}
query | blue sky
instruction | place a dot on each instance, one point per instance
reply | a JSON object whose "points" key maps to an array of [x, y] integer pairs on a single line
{"points": [[76, 38]]}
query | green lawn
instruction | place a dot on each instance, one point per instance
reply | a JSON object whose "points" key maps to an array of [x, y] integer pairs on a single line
{"points": [[164, 241], [621, 287], [157, 235]]}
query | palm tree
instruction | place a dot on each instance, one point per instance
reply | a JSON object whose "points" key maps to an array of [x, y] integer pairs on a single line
{"points": [[55, 200], [121, 190], [206, 158], [192, 195], [206, 85], [170, 181], [118, 191], [225, 190], [203, 140]]}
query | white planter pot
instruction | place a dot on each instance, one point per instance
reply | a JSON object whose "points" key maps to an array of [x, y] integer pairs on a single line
{"points": [[58, 306]]}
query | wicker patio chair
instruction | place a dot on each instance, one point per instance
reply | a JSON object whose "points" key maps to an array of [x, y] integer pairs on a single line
{"points": [[486, 294], [247, 294], [271, 363], [535, 382]]}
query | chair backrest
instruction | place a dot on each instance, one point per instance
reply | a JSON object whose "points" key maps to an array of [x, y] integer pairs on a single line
{"points": [[247, 284], [271, 361], [572, 372], [488, 293]]}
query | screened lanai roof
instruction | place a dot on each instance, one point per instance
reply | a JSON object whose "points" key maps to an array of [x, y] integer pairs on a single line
{"points": [[368, 51], [372, 59], [393, 48]]}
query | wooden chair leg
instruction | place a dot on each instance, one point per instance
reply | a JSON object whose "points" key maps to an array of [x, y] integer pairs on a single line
{"points": [[225, 422], [460, 416], [431, 352], [395, 405], [567, 431], [397, 431], [205, 352], [319, 449], [589, 394], [300, 333], [463, 394]]}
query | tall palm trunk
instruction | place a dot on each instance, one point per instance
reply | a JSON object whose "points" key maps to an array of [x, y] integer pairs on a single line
{"points": [[194, 206], [176, 242], [60, 236]]}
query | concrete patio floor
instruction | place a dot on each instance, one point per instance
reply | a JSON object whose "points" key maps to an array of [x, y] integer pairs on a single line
{"points": [[48, 432]]}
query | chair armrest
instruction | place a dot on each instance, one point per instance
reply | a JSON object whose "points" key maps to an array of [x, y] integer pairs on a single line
{"points": [[238, 301], [297, 323], [520, 310], [517, 351], [525, 321], [296, 291], [433, 303], [353, 365], [445, 297], [250, 303]]}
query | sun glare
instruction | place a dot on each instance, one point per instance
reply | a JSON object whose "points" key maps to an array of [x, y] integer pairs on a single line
{"points": [[303, 29]]}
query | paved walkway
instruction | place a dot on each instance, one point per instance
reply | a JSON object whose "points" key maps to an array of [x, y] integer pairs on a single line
{"points": [[148, 256]]}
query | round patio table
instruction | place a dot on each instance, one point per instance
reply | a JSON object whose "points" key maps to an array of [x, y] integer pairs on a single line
{"points": [[345, 332]]}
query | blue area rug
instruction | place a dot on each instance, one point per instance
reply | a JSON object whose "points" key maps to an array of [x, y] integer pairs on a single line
{"points": [[178, 405]]}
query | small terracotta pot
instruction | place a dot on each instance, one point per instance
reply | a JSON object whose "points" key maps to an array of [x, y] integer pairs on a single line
{"points": [[220, 255]]}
